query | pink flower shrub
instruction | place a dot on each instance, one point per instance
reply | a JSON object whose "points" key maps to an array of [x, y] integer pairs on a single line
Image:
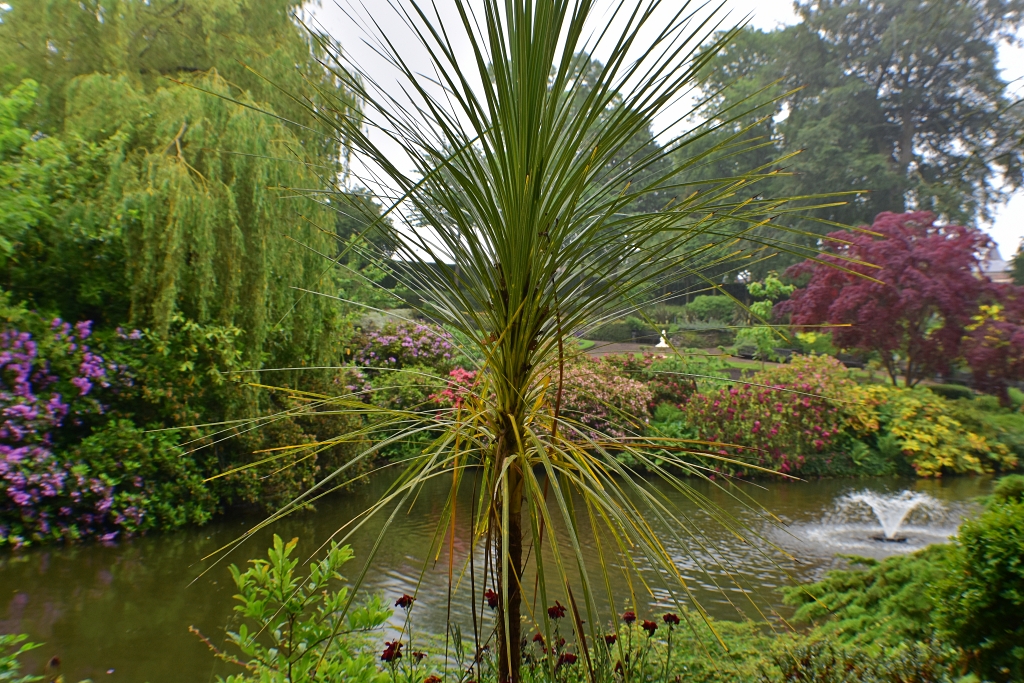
{"points": [[787, 414], [602, 402], [459, 388], [671, 378]]}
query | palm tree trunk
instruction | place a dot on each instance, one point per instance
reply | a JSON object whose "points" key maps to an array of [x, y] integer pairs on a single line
{"points": [[510, 622]]}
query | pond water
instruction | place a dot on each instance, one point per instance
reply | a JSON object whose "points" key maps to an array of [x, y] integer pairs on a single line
{"points": [[127, 608]]}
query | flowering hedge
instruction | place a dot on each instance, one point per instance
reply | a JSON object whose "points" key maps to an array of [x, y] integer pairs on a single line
{"points": [[403, 344], [602, 402], [671, 378], [782, 417], [67, 469]]}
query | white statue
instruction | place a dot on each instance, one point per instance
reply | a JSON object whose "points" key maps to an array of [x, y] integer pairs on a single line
{"points": [[663, 344]]}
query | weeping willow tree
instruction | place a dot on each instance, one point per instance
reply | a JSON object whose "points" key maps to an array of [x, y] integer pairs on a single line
{"points": [[163, 200], [182, 212], [513, 230]]}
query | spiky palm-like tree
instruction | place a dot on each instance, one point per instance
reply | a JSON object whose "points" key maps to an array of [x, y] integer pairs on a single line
{"points": [[522, 239]]}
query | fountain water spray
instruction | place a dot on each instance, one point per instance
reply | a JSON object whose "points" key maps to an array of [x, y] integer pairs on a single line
{"points": [[892, 510]]}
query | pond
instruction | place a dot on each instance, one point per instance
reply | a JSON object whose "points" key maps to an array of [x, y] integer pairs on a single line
{"points": [[127, 608]]}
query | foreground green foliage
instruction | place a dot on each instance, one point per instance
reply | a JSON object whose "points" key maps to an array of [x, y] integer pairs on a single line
{"points": [[141, 195], [982, 606], [289, 630], [12, 646], [968, 595]]}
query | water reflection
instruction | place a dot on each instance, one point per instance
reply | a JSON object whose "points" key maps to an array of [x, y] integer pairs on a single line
{"points": [[128, 607]]}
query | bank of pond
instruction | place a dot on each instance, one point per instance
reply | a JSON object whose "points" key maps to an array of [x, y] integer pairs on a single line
{"points": [[131, 433], [822, 599]]}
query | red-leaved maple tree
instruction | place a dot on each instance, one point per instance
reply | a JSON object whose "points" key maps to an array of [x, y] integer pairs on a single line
{"points": [[921, 292], [994, 344]]}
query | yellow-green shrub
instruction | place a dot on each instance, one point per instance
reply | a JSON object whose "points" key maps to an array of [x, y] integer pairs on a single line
{"points": [[928, 431]]}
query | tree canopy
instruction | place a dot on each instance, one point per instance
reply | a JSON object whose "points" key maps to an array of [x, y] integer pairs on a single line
{"points": [[900, 99], [154, 183], [907, 293]]}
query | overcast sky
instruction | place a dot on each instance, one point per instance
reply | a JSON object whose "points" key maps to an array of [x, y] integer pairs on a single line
{"points": [[1007, 230]]}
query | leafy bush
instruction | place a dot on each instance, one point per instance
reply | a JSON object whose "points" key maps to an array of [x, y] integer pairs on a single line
{"points": [[706, 308], [191, 376], [402, 344], [415, 387], [821, 661], [951, 391], [599, 401], [783, 417], [1009, 489], [934, 434], [981, 608], [294, 628], [411, 388], [881, 605], [632, 329], [819, 343], [671, 378], [154, 482], [986, 417]]}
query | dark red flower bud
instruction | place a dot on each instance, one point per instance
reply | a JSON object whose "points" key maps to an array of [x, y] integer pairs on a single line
{"points": [[492, 598], [557, 611], [610, 639], [649, 626], [392, 651], [566, 658], [432, 678], [629, 617], [418, 656], [405, 602], [671, 619], [538, 638]]}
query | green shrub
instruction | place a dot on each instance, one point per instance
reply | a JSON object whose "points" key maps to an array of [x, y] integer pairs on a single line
{"points": [[407, 389], [706, 308], [1016, 397], [156, 484], [672, 377], [664, 314], [981, 608], [819, 343], [621, 332], [191, 376], [1009, 489], [822, 661], [950, 391], [882, 605], [292, 626], [985, 416]]}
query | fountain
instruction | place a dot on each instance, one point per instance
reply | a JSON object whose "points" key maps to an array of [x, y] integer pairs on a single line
{"points": [[878, 523], [891, 511]]}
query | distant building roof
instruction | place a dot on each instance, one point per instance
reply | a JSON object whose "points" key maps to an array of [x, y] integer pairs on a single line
{"points": [[996, 267]]}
